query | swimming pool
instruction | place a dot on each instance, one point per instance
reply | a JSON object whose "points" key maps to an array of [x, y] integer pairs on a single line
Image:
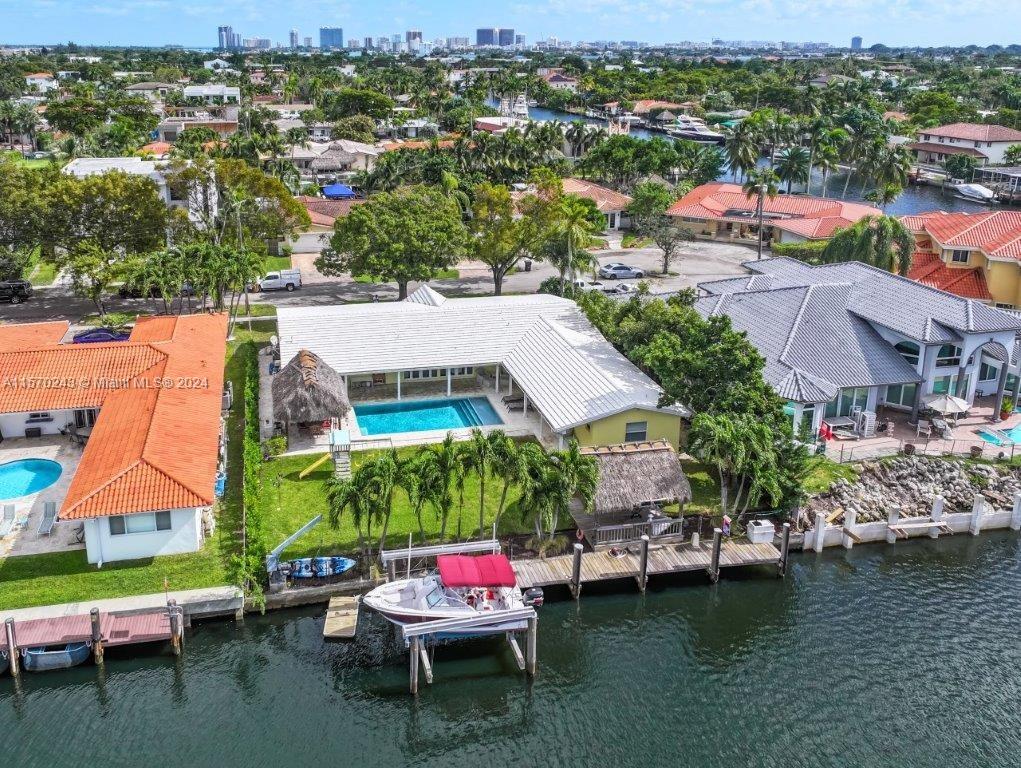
{"points": [[25, 476], [425, 415], [1013, 434]]}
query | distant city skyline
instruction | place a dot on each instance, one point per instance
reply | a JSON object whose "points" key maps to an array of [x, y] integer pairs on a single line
{"points": [[193, 23]]}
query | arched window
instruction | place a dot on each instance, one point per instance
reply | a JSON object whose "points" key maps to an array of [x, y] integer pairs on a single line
{"points": [[909, 351], [948, 355]]}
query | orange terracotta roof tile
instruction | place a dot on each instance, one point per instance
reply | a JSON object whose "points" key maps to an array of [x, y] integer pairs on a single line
{"points": [[155, 442], [974, 132], [929, 269], [805, 215], [995, 233], [606, 200], [14, 337]]}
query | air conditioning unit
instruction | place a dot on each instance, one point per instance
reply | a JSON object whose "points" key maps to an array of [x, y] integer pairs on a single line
{"points": [[227, 398]]}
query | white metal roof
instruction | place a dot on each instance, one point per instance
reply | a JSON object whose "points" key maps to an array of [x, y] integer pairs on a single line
{"points": [[570, 373], [90, 166]]}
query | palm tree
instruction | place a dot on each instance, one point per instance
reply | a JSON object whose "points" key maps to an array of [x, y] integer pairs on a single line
{"points": [[760, 184], [580, 472], [447, 467], [386, 471], [576, 229], [477, 457], [884, 195], [508, 465], [815, 131], [879, 241], [740, 149], [351, 496], [422, 479], [827, 160], [793, 164]]}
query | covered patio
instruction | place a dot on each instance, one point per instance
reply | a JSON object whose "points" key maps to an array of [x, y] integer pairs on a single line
{"points": [[638, 482], [309, 400]]}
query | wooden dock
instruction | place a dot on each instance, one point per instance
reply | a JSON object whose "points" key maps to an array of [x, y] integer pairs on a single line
{"points": [[668, 558], [341, 618]]}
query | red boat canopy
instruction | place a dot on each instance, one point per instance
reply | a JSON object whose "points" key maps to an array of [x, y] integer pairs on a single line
{"points": [[482, 571]]}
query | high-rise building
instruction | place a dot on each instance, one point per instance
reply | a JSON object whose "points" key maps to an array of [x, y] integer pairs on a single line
{"points": [[228, 39], [331, 37], [293, 38], [308, 42], [367, 43], [519, 39], [354, 44], [855, 43], [412, 35], [383, 43], [484, 37], [456, 43], [257, 43], [505, 38]]}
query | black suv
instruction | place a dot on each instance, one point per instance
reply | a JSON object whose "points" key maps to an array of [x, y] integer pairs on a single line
{"points": [[15, 291]]}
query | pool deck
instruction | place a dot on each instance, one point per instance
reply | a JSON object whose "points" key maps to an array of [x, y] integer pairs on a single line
{"points": [[25, 538]]}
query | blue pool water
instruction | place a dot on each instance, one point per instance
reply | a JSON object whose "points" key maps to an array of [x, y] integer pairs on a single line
{"points": [[25, 476], [425, 415], [1014, 433]]}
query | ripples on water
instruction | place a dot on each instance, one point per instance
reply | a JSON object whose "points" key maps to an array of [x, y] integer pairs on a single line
{"points": [[900, 656]]}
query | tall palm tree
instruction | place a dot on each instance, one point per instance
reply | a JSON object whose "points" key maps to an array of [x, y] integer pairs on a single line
{"points": [[741, 149], [815, 130], [351, 496], [477, 455], [827, 160], [386, 470], [760, 184], [448, 467], [793, 164], [576, 229], [508, 465], [884, 195]]}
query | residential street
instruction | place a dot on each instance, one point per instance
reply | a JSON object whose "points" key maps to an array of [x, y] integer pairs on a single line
{"points": [[699, 262]]}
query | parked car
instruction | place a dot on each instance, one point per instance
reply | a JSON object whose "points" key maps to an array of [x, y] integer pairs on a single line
{"points": [[128, 291], [617, 271], [94, 335], [15, 291], [585, 285], [284, 280]]}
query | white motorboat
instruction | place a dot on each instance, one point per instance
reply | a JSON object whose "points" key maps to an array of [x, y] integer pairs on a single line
{"points": [[694, 129], [975, 192], [462, 587]]}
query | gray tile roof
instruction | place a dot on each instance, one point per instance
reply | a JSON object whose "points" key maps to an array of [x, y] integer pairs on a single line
{"points": [[918, 311], [812, 342]]}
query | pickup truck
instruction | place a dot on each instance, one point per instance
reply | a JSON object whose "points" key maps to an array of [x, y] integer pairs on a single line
{"points": [[284, 280]]}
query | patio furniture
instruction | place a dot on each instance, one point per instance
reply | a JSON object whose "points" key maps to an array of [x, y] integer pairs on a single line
{"points": [[513, 399], [944, 429], [49, 518], [924, 428], [7, 521]]}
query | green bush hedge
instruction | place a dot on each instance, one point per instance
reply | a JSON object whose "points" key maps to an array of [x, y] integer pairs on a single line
{"points": [[810, 250]]}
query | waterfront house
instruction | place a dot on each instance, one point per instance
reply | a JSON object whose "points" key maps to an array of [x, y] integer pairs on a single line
{"points": [[213, 93], [151, 90], [848, 337], [536, 359], [146, 415], [223, 121], [985, 143], [722, 211]]}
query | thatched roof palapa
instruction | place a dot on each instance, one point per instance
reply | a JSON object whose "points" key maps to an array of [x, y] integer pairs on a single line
{"points": [[308, 390], [333, 159], [631, 474]]}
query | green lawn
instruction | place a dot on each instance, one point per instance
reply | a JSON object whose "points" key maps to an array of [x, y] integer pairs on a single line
{"points": [[822, 472], [443, 274], [276, 263], [42, 273], [66, 577], [289, 503], [26, 162]]}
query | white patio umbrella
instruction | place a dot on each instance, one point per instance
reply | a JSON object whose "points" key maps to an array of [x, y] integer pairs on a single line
{"points": [[945, 404]]}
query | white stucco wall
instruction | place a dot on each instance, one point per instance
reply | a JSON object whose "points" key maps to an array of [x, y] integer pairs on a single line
{"points": [[13, 424], [185, 535]]}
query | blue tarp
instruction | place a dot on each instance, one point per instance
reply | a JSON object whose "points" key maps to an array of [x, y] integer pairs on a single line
{"points": [[338, 192]]}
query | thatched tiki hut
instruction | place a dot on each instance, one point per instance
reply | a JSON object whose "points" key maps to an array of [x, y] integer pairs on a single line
{"points": [[307, 392], [636, 480]]}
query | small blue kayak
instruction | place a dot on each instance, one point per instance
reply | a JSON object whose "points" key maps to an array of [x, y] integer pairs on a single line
{"points": [[49, 657], [320, 567]]}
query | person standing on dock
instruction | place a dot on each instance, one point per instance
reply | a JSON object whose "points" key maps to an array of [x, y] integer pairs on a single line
{"points": [[726, 525]]}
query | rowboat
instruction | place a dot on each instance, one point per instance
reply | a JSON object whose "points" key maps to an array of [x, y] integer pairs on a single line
{"points": [[50, 657]]}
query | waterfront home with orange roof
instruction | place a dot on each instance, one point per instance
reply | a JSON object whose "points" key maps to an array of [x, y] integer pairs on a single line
{"points": [[147, 414], [722, 211]]}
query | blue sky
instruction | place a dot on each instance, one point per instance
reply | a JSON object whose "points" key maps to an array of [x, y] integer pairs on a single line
{"points": [[194, 22]]}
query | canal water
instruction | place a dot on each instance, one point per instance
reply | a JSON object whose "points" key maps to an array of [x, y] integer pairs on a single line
{"points": [[884, 656], [914, 199]]}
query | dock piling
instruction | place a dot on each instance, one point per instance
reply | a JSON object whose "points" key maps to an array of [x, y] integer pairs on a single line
{"points": [[936, 515], [531, 651], [176, 626], [423, 655], [820, 531], [976, 515], [643, 564], [892, 519], [414, 664], [714, 563], [1015, 514], [785, 548], [576, 571], [12, 647], [97, 636], [850, 519]]}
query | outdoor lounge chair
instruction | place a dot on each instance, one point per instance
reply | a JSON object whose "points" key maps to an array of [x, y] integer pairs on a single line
{"points": [[49, 518], [508, 399], [7, 521], [924, 428]]}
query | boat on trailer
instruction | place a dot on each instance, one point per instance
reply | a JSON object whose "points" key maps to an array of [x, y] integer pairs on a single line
{"points": [[50, 657], [462, 586]]}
